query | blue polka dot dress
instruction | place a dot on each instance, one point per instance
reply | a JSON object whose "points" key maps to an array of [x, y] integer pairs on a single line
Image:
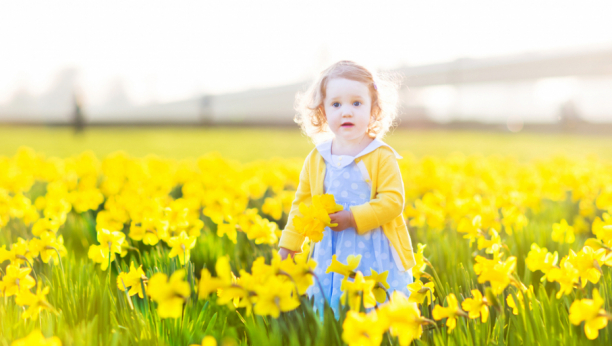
{"points": [[347, 182]]}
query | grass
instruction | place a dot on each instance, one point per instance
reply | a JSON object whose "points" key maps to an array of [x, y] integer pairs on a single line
{"points": [[248, 144]]}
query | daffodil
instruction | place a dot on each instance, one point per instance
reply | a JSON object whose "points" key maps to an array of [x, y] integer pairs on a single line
{"points": [[149, 231], [491, 245], [471, 228], [16, 280], [563, 233], [450, 312], [403, 318], [315, 217], [99, 255], [228, 229], [540, 259], [590, 311], [521, 300], [495, 271], [207, 341], [419, 292], [587, 262], [36, 338], [181, 247], [354, 290], [566, 275], [360, 329], [45, 225], [310, 225], [273, 206], [262, 231], [420, 265], [344, 269], [209, 284], [169, 295], [21, 252], [327, 202], [132, 280], [476, 306], [603, 229], [35, 302], [300, 269], [276, 296], [380, 284], [49, 246], [110, 241]]}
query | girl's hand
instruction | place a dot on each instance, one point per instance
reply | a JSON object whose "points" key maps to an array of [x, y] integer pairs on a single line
{"points": [[285, 252], [344, 219]]}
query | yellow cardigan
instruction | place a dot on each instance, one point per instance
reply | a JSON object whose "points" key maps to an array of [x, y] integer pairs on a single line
{"points": [[384, 208]]}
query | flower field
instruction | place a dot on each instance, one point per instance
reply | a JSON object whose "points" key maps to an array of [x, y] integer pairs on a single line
{"points": [[117, 249]]}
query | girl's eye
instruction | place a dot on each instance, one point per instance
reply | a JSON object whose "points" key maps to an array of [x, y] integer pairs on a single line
{"points": [[335, 103], [357, 102]]}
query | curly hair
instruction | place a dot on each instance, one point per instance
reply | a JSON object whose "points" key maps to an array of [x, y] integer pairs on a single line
{"points": [[383, 89]]}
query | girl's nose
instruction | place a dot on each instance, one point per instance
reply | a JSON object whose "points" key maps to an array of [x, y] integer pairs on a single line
{"points": [[347, 112]]}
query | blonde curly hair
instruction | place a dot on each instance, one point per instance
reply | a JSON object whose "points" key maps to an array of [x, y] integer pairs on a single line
{"points": [[383, 91]]}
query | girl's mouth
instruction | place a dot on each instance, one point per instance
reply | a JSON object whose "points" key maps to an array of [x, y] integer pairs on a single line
{"points": [[347, 125]]}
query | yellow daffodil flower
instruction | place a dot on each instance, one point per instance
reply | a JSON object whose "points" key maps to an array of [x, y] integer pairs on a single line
{"points": [[471, 228], [49, 246], [419, 292], [360, 329], [274, 297], [132, 280], [495, 271], [35, 302], [327, 202], [403, 318], [16, 280], [419, 269], [344, 269], [450, 312], [36, 338], [590, 311], [207, 341], [169, 295], [209, 284], [181, 247], [603, 229], [563, 233], [477, 306], [540, 259], [380, 284], [354, 290], [273, 206], [110, 241], [228, 229], [566, 275]]}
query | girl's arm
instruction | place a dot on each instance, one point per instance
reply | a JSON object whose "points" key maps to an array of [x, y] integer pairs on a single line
{"points": [[389, 200], [290, 239]]}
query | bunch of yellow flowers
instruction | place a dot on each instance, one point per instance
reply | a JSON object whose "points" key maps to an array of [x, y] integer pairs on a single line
{"points": [[315, 217], [267, 290]]}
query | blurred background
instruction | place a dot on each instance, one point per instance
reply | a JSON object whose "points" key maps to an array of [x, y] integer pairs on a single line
{"points": [[110, 70]]}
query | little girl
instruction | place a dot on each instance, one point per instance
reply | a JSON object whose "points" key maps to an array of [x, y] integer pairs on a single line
{"points": [[347, 110]]}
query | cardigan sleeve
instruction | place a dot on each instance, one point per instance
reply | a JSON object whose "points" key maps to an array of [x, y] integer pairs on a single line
{"points": [[290, 238], [388, 202]]}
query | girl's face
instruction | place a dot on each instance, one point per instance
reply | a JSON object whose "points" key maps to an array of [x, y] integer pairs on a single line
{"points": [[347, 107]]}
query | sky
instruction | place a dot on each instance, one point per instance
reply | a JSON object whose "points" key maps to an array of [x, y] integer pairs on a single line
{"points": [[163, 51]]}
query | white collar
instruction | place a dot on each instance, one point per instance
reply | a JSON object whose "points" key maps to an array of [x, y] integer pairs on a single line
{"points": [[325, 149]]}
